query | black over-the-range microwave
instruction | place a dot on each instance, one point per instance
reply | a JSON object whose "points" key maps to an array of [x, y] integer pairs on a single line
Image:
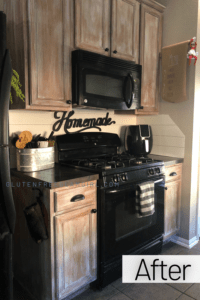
{"points": [[105, 82]]}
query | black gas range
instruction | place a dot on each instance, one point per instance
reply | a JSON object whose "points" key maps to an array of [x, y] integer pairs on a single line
{"points": [[120, 231]]}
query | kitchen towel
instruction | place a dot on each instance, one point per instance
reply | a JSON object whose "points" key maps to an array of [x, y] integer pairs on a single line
{"points": [[145, 199], [174, 63]]}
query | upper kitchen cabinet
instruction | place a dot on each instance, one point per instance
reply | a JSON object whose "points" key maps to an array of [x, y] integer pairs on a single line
{"points": [[150, 49], [125, 29], [108, 27], [92, 25], [39, 36]]}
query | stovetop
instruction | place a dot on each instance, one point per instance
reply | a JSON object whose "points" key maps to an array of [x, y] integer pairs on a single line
{"points": [[97, 153], [117, 164], [115, 161]]}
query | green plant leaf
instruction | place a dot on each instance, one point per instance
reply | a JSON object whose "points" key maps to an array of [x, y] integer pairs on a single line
{"points": [[15, 84]]}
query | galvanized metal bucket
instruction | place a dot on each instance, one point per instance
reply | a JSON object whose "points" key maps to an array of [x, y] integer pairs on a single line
{"points": [[29, 160]]}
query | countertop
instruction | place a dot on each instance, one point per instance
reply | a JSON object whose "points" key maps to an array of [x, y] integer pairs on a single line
{"points": [[59, 176], [167, 159]]}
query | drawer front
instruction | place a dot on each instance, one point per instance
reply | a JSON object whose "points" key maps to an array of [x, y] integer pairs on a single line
{"points": [[173, 172], [69, 199]]}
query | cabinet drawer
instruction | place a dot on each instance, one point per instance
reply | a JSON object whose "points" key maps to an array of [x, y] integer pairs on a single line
{"points": [[75, 197], [173, 172]]}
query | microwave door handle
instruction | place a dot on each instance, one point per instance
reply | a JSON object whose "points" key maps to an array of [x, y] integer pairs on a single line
{"points": [[128, 90]]}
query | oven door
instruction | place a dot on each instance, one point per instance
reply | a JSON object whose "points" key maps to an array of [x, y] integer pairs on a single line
{"points": [[122, 230], [99, 85]]}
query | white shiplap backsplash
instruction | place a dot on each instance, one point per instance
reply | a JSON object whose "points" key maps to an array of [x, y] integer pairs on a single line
{"points": [[168, 139], [41, 122]]}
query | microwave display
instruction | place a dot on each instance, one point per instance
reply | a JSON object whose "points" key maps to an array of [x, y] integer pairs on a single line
{"points": [[104, 82]]}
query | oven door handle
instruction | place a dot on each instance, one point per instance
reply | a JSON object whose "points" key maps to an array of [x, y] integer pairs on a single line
{"points": [[132, 187], [157, 181]]}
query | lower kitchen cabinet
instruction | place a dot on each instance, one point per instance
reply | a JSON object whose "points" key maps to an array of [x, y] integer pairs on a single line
{"points": [[67, 261], [75, 249], [172, 200]]}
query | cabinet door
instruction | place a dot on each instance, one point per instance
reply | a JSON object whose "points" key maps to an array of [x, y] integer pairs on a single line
{"points": [[150, 48], [172, 208], [125, 29], [76, 256], [50, 35], [92, 25]]}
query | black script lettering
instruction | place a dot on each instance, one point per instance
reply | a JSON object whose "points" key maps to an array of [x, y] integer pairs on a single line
{"points": [[88, 123], [68, 122], [92, 122], [99, 122], [57, 125], [77, 123], [109, 120], [85, 123]]}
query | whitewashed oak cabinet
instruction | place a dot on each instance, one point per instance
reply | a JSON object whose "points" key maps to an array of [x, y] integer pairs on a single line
{"points": [[67, 260], [172, 204], [41, 35]]}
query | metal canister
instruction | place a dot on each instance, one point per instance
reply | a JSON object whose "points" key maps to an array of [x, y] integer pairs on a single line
{"points": [[29, 160]]}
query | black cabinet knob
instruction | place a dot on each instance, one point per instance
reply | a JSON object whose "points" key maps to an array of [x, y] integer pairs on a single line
{"points": [[165, 188], [69, 102], [173, 174], [93, 211], [107, 49], [115, 51]]}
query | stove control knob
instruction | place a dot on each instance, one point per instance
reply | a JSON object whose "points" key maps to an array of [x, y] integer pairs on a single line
{"points": [[115, 179], [151, 171], [123, 177], [157, 170]]}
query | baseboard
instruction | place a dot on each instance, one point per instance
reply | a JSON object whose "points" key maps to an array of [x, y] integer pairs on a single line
{"points": [[183, 242]]}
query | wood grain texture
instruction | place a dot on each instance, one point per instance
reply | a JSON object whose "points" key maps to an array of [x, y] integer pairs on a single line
{"points": [[172, 204], [173, 169], [172, 208], [45, 271], [92, 25], [154, 4], [150, 48], [43, 35], [125, 29], [63, 198], [15, 26], [48, 27], [75, 235]]}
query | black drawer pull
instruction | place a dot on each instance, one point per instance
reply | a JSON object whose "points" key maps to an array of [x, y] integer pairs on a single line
{"points": [[173, 174], [107, 49], [165, 188], [94, 211], [77, 198], [115, 51]]}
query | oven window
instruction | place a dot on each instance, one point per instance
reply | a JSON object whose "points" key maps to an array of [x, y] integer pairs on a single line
{"points": [[126, 218], [104, 85]]}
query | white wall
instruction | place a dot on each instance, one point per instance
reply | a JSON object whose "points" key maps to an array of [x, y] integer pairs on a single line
{"points": [[168, 139]]}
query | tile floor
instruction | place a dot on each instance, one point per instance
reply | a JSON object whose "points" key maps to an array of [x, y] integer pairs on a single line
{"points": [[157, 291]]}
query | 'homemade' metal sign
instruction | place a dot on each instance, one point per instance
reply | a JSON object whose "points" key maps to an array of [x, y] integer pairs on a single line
{"points": [[79, 123]]}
